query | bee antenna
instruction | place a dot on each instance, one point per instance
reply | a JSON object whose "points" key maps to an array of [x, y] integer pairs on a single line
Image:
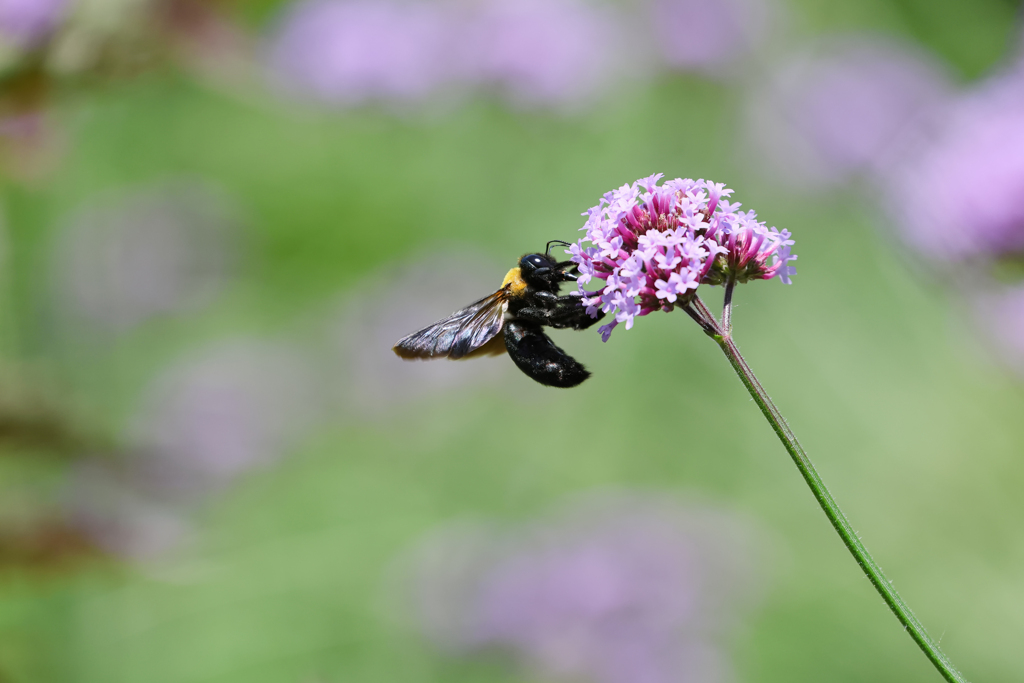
{"points": [[547, 250]]}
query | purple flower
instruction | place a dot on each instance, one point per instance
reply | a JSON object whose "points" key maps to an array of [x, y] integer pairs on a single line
{"points": [[202, 423], [845, 108], [616, 589], [654, 245], [539, 51], [705, 35], [783, 257], [961, 195], [158, 251], [350, 51], [231, 409], [26, 22]]}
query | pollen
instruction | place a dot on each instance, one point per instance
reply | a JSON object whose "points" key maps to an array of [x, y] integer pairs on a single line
{"points": [[515, 279]]}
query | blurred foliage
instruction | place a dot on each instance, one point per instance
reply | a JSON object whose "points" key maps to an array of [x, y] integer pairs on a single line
{"points": [[286, 578], [971, 38]]}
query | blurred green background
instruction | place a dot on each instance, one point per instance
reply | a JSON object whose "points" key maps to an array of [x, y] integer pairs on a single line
{"points": [[283, 573]]}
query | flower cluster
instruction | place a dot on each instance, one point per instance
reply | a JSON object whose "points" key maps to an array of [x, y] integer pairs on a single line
{"points": [[844, 108], [349, 52], [653, 246], [729, 31], [613, 588], [959, 198], [24, 24], [537, 53]]}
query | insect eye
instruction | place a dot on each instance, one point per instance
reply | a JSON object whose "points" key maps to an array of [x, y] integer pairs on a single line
{"points": [[533, 262]]}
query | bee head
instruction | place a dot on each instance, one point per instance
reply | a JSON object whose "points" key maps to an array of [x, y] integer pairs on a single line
{"points": [[537, 269], [542, 271]]}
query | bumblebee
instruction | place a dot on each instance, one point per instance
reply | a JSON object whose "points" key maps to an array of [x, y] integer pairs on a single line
{"points": [[527, 301]]}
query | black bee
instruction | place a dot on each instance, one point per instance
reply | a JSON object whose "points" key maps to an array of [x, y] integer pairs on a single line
{"points": [[527, 301]]}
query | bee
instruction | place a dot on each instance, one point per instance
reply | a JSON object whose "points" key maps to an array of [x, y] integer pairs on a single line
{"points": [[527, 301]]}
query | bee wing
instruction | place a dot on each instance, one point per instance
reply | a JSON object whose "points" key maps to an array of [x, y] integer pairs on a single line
{"points": [[460, 333]]}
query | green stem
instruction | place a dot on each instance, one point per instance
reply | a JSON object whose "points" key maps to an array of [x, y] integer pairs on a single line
{"points": [[730, 285], [832, 511]]}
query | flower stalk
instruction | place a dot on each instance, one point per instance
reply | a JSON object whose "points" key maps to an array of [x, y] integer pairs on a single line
{"points": [[721, 333], [654, 245]]}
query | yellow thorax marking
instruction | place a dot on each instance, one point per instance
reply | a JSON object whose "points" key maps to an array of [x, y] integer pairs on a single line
{"points": [[515, 279]]}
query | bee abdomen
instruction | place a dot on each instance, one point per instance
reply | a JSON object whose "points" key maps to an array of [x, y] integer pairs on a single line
{"points": [[539, 358]]}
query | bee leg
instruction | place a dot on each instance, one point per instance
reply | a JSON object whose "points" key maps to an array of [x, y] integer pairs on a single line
{"points": [[566, 311], [567, 271], [575, 315], [570, 312], [538, 357], [536, 315]]}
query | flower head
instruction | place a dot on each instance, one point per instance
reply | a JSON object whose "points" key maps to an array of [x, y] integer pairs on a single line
{"points": [[27, 22], [233, 408], [341, 52], [961, 196], [540, 52], [615, 588], [704, 36], [146, 253], [847, 107], [654, 245]]}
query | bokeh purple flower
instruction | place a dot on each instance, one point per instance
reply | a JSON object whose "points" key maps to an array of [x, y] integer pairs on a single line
{"points": [[654, 245], [960, 195], [611, 589], [210, 418], [539, 51], [161, 250], [26, 22], [347, 52], [707, 35], [848, 106], [202, 423]]}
